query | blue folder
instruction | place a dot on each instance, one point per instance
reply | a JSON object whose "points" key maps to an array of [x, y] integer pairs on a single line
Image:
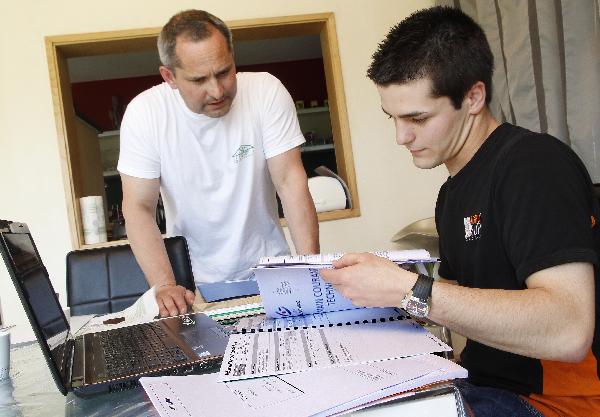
{"points": [[225, 290]]}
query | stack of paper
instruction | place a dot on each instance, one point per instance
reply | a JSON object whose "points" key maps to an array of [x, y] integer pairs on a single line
{"points": [[320, 392]]}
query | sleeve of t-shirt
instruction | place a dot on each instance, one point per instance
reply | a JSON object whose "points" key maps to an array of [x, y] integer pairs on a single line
{"points": [[544, 206], [281, 129], [138, 153]]}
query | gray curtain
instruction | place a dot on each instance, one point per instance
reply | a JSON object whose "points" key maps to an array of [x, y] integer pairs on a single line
{"points": [[547, 67]]}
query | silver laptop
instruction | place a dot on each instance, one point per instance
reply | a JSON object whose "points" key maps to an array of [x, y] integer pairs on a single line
{"points": [[110, 360]]}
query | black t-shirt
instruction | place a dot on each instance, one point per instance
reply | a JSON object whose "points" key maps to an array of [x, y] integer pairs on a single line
{"points": [[523, 203]]}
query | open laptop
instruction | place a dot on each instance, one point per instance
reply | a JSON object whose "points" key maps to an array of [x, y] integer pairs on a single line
{"points": [[110, 360]]}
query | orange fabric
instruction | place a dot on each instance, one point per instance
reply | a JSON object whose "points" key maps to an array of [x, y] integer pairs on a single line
{"points": [[566, 406], [571, 379], [570, 389]]}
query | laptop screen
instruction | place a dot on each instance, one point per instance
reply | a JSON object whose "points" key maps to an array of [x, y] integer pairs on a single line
{"points": [[36, 290]]}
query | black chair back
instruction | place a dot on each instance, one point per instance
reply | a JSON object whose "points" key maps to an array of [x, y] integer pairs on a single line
{"points": [[109, 279]]}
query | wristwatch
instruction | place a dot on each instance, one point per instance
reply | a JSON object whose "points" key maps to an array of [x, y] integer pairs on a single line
{"points": [[416, 301]]}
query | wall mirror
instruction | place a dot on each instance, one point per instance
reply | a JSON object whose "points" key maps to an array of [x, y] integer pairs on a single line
{"points": [[94, 76]]}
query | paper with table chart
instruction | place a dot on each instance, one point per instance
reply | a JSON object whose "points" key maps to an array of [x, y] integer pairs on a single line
{"points": [[251, 355], [320, 392], [292, 286]]}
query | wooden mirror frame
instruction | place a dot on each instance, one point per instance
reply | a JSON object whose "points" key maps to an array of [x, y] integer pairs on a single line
{"points": [[60, 48]]}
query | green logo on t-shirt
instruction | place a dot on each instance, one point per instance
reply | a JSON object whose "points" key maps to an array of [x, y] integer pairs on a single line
{"points": [[243, 152]]}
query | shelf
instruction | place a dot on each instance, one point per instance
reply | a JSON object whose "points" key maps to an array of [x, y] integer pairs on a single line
{"points": [[112, 173], [309, 110], [316, 148], [109, 134]]}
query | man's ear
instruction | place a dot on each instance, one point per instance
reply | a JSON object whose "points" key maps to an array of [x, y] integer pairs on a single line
{"points": [[476, 98], [168, 76]]}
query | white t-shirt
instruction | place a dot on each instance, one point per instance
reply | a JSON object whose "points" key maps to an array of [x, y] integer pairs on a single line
{"points": [[214, 179]]}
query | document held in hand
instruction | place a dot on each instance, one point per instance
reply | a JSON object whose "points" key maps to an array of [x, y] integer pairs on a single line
{"points": [[292, 286]]}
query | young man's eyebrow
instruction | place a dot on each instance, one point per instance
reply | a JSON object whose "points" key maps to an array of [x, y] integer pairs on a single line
{"points": [[406, 115], [412, 114]]}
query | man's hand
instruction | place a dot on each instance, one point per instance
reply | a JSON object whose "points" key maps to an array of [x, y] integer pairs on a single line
{"points": [[369, 280], [173, 299]]}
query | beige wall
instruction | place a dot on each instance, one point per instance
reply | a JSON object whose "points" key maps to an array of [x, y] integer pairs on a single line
{"points": [[392, 192]]}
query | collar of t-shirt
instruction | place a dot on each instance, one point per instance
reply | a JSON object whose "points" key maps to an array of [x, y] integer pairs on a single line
{"points": [[482, 154]]}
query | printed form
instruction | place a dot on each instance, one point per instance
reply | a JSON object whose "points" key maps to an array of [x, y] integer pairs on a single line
{"points": [[252, 355]]}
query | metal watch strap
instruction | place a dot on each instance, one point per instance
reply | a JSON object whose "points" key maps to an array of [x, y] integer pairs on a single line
{"points": [[422, 288]]}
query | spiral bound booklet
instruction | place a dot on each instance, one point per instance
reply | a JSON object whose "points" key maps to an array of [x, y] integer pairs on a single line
{"points": [[262, 323], [291, 286]]}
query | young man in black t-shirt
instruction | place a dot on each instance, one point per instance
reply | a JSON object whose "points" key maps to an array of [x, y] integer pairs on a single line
{"points": [[519, 242]]}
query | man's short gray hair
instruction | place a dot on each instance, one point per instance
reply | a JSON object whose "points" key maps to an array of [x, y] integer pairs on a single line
{"points": [[195, 25]]}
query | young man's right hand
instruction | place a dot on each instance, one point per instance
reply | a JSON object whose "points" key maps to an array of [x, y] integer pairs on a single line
{"points": [[173, 299]]}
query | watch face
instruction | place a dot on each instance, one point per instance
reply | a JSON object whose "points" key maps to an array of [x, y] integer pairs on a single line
{"points": [[417, 308]]}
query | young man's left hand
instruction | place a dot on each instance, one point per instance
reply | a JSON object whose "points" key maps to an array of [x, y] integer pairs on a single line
{"points": [[369, 280]]}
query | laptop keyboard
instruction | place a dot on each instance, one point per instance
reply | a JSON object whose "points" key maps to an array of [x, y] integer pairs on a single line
{"points": [[133, 350]]}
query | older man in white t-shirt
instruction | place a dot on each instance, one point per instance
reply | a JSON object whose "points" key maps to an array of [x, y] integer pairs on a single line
{"points": [[217, 145]]}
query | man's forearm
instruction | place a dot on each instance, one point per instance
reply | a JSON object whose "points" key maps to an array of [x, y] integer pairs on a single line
{"points": [[533, 322], [302, 221], [300, 213], [148, 247], [289, 178], [552, 318]]}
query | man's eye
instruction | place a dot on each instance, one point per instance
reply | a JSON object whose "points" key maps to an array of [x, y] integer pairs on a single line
{"points": [[419, 121], [224, 73]]}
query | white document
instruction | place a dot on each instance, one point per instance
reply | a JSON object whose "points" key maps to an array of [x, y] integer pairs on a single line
{"points": [[144, 310], [447, 371], [262, 323], [319, 392], [251, 355], [328, 258], [292, 286], [297, 291]]}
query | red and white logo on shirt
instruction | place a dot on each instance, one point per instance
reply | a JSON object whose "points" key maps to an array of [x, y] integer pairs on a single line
{"points": [[472, 227]]}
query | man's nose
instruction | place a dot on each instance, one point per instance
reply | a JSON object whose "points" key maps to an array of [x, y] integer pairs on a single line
{"points": [[404, 133], [214, 89]]}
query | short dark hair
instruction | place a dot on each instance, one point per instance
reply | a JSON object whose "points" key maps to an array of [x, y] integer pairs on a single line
{"points": [[196, 26], [440, 43]]}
